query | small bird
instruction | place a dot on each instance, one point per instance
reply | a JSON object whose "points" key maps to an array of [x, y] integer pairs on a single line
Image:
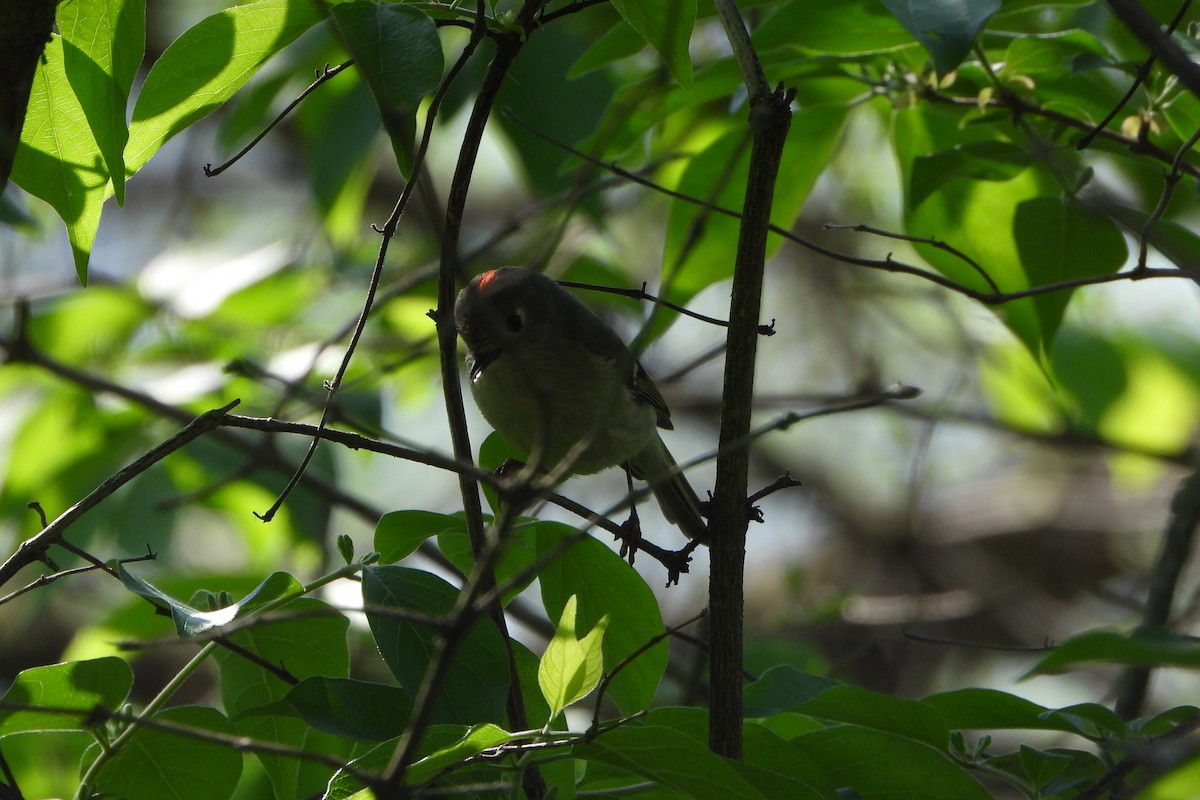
{"points": [[558, 383]]}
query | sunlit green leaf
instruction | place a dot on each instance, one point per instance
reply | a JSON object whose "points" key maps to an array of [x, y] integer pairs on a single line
{"points": [[571, 667], [607, 586], [82, 687], [206, 65], [667, 26], [701, 247], [58, 159], [103, 43]]}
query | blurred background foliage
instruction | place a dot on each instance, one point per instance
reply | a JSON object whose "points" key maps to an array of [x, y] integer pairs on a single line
{"points": [[1021, 499]]}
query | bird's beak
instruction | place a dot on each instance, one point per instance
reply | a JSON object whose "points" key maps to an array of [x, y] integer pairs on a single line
{"points": [[480, 362]]}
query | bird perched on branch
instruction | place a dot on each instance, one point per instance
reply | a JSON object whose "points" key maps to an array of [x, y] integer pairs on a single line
{"points": [[561, 386]]}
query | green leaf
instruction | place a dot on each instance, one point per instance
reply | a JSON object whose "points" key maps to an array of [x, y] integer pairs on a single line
{"points": [[781, 688], [990, 709], [519, 553], [946, 28], [442, 747], [571, 667], [982, 161], [474, 742], [765, 750], [692, 264], [667, 26], [494, 451], [974, 216], [1142, 647], [621, 41], [310, 643], [851, 28], [81, 686], [351, 708], [206, 65], [1059, 53], [1057, 772], [192, 622], [880, 712], [397, 51], [784, 688], [606, 587], [476, 684], [538, 92], [161, 765], [883, 766], [58, 159], [398, 534], [1059, 239], [671, 758], [103, 43]]}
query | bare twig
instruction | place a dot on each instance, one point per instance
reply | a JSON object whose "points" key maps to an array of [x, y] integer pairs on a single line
{"points": [[1139, 22], [323, 75], [1170, 181], [66, 573], [31, 549], [642, 294], [1142, 74], [386, 233], [889, 264]]}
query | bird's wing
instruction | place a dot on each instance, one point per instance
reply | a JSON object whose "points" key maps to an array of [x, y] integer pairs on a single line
{"points": [[645, 391]]}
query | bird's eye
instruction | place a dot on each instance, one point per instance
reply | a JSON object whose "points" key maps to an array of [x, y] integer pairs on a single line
{"points": [[515, 321]]}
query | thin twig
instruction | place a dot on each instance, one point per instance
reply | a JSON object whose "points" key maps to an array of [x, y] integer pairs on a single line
{"points": [[916, 637], [66, 573], [1170, 181], [31, 549], [386, 233], [608, 677], [889, 264], [929, 240], [642, 294], [1142, 74], [322, 76]]}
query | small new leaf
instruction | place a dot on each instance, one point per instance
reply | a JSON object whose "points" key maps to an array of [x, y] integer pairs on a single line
{"points": [[571, 668]]}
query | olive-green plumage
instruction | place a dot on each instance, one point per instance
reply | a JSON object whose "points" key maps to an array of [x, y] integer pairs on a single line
{"points": [[557, 383]]}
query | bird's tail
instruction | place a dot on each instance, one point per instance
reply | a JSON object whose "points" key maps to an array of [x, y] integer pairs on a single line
{"points": [[675, 495]]}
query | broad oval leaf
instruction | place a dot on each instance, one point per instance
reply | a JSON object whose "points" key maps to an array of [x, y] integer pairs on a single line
{"points": [[58, 159], [946, 28], [476, 683], [82, 686], [667, 26], [206, 65], [1058, 240], [571, 667], [351, 708], [397, 51], [103, 42], [606, 586], [164, 765]]}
